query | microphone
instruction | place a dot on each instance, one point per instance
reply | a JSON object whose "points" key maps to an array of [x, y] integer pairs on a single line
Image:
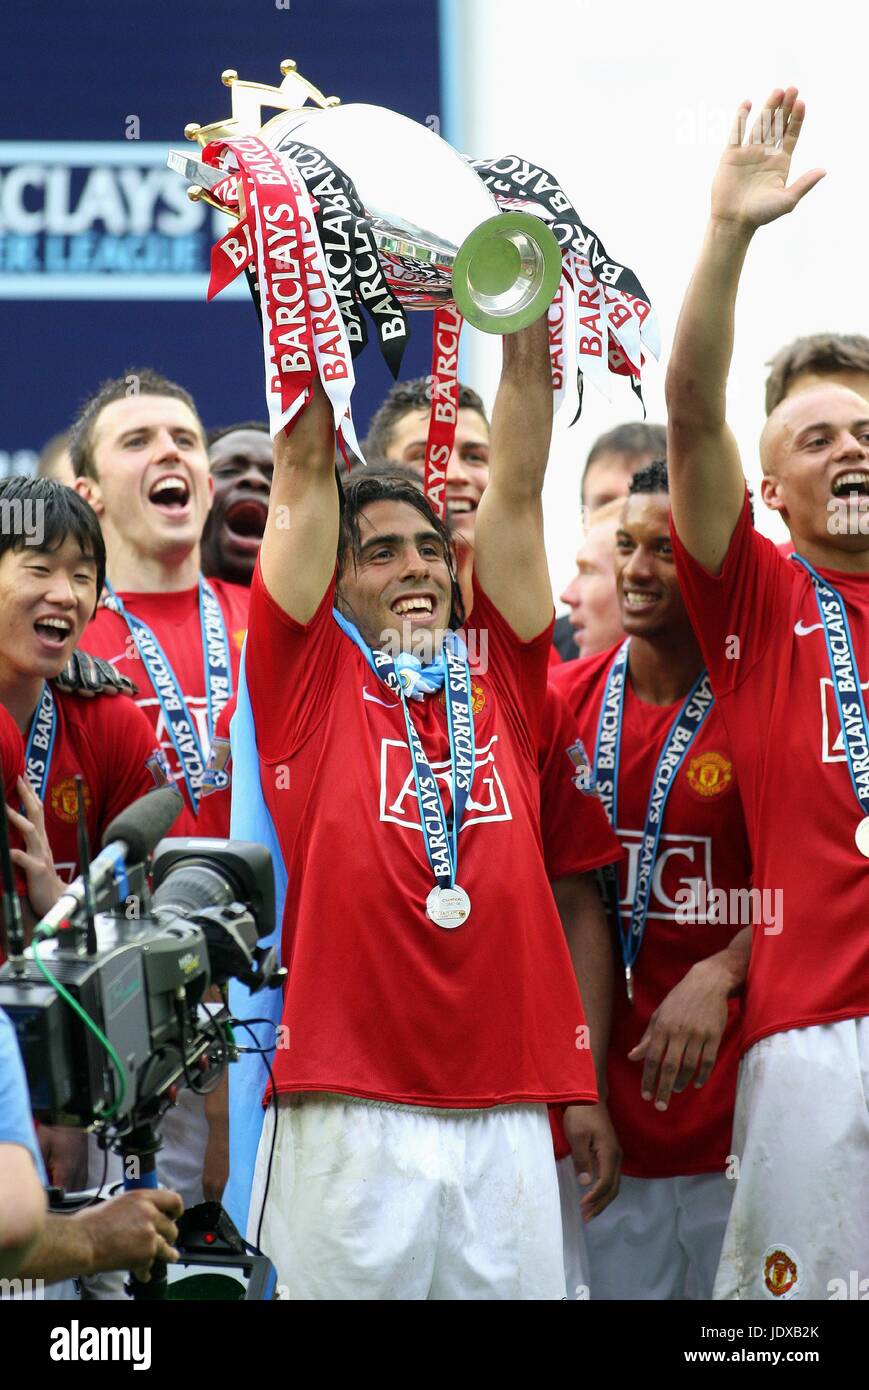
{"points": [[142, 825], [131, 837]]}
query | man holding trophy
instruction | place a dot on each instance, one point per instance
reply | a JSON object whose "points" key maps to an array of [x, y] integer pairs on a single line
{"points": [[431, 1011]]}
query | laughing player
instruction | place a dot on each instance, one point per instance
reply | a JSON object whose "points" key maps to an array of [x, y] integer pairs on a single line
{"points": [[431, 1005], [240, 461], [786, 642], [48, 593], [641, 707], [140, 461]]}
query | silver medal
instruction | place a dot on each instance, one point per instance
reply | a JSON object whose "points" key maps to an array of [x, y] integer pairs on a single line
{"points": [[861, 836], [448, 907]]}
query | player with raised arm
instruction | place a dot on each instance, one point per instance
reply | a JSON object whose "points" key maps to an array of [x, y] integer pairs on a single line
{"points": [[431, 1006], [786, 642]]}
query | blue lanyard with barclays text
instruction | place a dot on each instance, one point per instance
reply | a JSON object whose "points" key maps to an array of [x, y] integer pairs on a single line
{"points": [[218, 680], [849, 695], [40, 742], [696, 706], [440, 837]]}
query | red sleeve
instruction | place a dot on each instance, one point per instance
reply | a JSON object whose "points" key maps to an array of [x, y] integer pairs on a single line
{"points": [[517, 670], [291, 668], [11, 755], [734, 612], [577, 836], [125, 747]]}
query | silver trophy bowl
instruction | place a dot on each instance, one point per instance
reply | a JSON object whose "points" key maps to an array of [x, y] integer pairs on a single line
{"points": [[438, 230]]}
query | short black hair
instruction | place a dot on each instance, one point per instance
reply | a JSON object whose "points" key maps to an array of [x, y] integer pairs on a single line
{"points": [[384, 484], [653, 478], [136, 381], [403, 397], [62, 514], [213, 435]]}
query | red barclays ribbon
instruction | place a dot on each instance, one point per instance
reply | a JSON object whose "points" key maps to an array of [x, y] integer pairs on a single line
{"points": [[444, 405], [275, 202], [555, 321], [278, 241]]}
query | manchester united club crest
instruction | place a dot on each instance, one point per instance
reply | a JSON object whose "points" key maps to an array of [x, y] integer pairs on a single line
{"points": [[780, 1272], [478, 697], [709, 773], [238, 637], [64, 802]]}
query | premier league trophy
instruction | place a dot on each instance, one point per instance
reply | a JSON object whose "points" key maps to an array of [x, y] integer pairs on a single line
{"points": [[439, 233], [346, 215]]}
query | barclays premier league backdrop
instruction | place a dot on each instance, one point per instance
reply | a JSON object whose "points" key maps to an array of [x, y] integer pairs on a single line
{"points": [[103, 259]]}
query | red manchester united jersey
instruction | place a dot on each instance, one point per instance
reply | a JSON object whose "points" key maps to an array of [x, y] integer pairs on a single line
{"points": [[703, 842], [381, 1001], [174, 619], [11, 754], [576, 833], [759, 627], [111, 744]]}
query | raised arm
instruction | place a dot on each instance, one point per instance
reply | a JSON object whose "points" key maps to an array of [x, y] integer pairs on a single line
{"points": [[750, 189], [300, 542], [509, 554]]}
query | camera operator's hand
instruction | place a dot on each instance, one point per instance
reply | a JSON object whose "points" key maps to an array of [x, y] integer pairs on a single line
{"points": [[44, 887], [128, 1232], [132, 1230]]}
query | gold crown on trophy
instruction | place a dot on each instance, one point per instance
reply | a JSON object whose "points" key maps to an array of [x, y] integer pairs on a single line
{"points": [[248, 100], [439, 232]]}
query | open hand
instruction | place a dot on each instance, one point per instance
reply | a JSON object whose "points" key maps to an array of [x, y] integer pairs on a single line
{"points": [[751, 185], [44, 886]]}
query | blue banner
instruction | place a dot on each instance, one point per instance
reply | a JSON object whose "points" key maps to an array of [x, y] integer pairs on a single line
{"points": [[103, 259]]}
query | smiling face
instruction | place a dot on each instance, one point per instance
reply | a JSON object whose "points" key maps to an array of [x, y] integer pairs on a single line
{"points": [[815, 456], [648, 590], [153, 488], [242, 468], [468, 467], [595, 615], [399, 589], [47, 598]]}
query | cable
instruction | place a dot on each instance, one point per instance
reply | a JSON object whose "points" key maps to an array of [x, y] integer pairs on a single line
{"points": [[274, 1102], [88, 1021], [101, 1184]]}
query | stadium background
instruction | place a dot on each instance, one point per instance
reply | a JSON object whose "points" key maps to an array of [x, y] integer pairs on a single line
{"points": [[628, 110]]}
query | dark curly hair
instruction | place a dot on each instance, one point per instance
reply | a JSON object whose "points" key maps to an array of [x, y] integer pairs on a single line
{"points": [[384, 484]]}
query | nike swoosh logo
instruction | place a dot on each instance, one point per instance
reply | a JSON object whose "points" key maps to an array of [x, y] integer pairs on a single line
{"points": [[802, 631], [375, 700]]}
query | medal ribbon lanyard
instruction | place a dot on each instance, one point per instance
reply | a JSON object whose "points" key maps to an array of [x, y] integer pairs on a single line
{"points": [[218, 680], [696, 706], [41, 738], [846, 681], [440, 837]]}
